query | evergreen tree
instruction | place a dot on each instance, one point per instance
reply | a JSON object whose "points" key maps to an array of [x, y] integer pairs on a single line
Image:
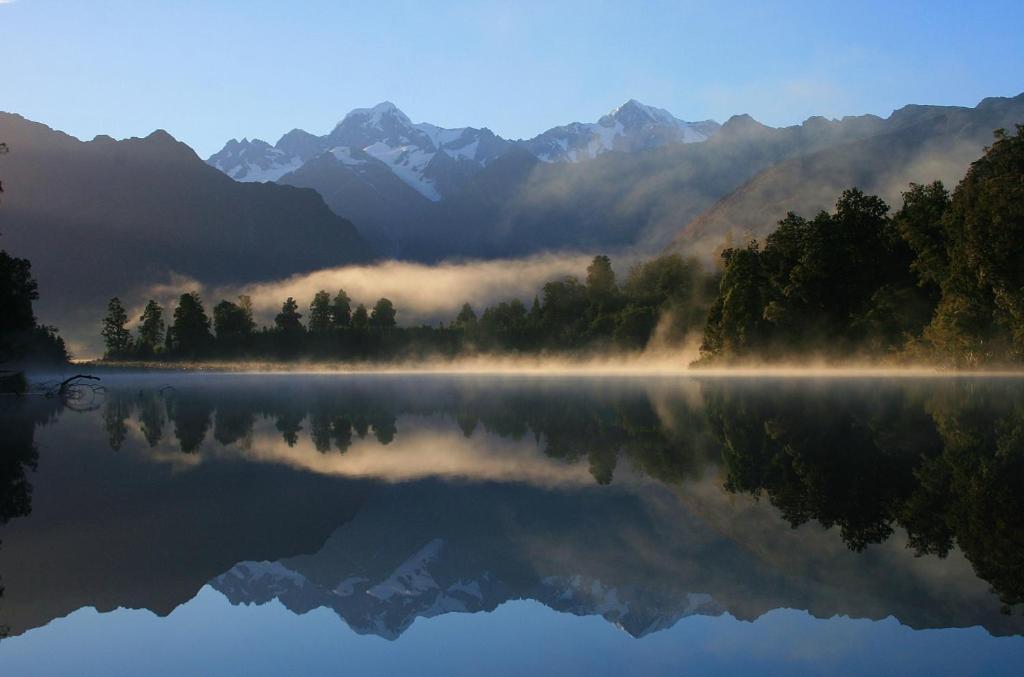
{"points": [[360, 318], [232, 322], [341, 309], [466, 317], [17, 292], [601, 278], [245, 303], [383, 314], [288, 320], [116, 337], [535, 310], [151, 328], [320, 315], [505, 324], [189, 334]]}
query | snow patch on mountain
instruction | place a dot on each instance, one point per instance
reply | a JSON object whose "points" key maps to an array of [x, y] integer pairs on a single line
{"points": [[409, 163], [436, 161], [412, 577], [631, 127], [254, 161]]}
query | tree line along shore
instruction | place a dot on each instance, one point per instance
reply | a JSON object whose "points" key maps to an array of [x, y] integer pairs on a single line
{"points": [[939, 280]]}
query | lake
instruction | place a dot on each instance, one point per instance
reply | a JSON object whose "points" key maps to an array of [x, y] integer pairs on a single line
{"points": [[214, 523]]}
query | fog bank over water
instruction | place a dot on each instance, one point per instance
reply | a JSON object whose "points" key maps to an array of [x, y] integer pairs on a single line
{"points": [[421, 292]]}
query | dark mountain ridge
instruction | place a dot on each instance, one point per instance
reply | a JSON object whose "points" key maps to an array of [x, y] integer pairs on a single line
{"points": [[101, 218]]}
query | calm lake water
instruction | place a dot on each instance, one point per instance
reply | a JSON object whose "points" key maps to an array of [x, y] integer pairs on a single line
{"points": [[383, 524]]}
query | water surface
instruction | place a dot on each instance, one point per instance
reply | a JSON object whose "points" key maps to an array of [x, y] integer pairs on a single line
{"points": [[276, 523]]}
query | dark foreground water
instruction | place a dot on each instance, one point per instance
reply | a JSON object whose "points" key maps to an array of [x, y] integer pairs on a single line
{"points": [[293, 524]]}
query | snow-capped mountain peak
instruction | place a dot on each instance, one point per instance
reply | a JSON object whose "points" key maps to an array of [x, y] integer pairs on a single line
{"points": [[631, 127], [254, 160], [373, 116], [635, 114], [436, 161]]}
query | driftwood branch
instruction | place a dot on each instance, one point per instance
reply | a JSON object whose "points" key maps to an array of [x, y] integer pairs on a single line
{"points": [[76, 392], [69, 384]]}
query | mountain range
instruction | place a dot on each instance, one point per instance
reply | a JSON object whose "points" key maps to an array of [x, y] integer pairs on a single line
{"points": [[637, 178], [103, 217], [386, 172]]}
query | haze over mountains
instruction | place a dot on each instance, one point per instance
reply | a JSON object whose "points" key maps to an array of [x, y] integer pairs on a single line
{"points": [[104, 217], [382, 170], [635, 178]]}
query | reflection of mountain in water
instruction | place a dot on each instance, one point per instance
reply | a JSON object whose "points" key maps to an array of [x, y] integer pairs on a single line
{"points": [[635, 555], [624, 499], [430, 549]]}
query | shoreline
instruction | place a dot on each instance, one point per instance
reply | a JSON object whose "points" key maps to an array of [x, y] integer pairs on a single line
{"points": [[551, 368]]}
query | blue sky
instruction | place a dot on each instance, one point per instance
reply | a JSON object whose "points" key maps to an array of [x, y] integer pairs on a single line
{"points": [[208, 70]]}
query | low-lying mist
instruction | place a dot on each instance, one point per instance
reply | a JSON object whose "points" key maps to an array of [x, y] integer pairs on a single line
{"points": [[422, 293]]}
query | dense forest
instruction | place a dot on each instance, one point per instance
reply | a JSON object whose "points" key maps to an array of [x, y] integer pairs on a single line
{"points": [[940, 280], [569, 315]]}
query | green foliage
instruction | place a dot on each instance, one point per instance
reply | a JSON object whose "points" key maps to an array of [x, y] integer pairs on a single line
{"points": [[573, 317], [289, 320], [980, 318], [360, 318], [232, 322], [17, 292], [189, 335], [116, 338], [736, 323], [601, 279], [466, 317], [839, 284], [505, 324], [383, 314], [151, 328], [320, 315], [920, 223], [341, 309], [943, 277]]}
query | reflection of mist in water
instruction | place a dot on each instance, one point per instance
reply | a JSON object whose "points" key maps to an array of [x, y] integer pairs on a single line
{"points": [[422, 447], [508, 475]]}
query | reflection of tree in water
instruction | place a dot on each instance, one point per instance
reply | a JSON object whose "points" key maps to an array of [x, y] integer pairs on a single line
{"points": [[978, 484], [117, 408], [191, 416], [573, 426], [233, 422], [946, 463], [943, 461], [289, 424], [151, 417], [19, 455]]}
